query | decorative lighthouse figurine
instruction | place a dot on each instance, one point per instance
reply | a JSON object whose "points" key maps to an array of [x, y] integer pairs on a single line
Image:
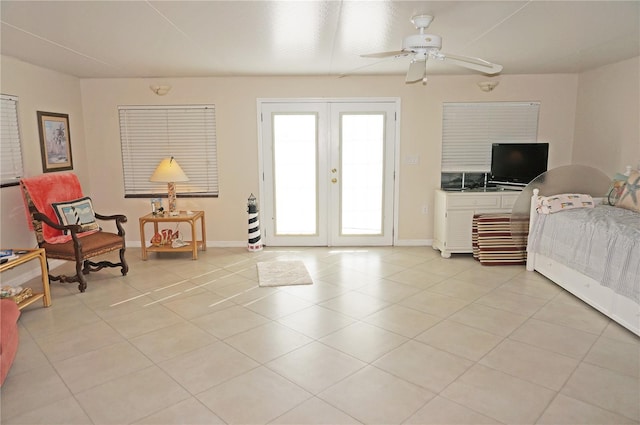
{"points": [[255, 242]]}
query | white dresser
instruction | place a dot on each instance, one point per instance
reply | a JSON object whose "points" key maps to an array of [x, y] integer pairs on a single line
{"points": [[454, 216]]}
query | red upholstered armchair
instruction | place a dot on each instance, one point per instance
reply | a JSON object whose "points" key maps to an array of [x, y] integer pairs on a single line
{"points": [[67, 227]]}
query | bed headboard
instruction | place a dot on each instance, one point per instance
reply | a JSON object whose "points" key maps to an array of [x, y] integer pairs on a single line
{"points": [[565, 179]]}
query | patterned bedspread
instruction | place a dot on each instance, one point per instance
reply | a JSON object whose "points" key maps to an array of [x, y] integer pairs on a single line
{"points": [[602, 243]]}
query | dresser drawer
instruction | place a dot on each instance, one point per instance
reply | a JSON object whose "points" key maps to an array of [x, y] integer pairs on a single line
{"points": [[508, 201], [473, 201]]}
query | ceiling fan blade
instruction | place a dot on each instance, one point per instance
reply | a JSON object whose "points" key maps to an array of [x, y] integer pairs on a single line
{"points": [[354, 70], [476, 64], [416, 71], [396, 53]]}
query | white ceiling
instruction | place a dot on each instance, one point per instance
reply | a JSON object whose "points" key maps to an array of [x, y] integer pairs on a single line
{"points": [[94, 39]]}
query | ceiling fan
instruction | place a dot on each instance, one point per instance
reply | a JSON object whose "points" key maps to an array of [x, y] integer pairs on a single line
{"points": [[423, 46]]}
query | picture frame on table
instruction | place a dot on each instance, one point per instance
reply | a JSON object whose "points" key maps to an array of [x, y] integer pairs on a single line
{"points": [[55, 141]]}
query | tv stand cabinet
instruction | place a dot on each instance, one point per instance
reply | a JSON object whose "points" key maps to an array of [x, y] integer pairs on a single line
{"points": [[454, 216]]}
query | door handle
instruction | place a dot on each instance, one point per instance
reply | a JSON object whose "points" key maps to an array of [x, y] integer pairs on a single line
{"points": [[334, 180]]}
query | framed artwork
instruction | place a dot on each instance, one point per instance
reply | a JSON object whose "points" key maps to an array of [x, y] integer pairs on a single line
{"points": [[55, 141]]}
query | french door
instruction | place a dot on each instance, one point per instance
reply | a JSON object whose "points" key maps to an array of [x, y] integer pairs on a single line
{"points": [[328, 172]]}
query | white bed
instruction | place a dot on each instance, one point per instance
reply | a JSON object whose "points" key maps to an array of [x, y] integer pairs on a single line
{"points": [[614, 293]]}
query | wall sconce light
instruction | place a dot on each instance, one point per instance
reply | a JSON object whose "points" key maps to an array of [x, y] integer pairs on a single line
{"points": [[487, 86], [160, 90]]}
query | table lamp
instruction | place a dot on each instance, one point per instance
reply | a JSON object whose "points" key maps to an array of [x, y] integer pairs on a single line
{"points": [[170, 172]]}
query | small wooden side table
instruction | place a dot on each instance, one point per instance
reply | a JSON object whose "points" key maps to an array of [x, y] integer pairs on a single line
{"points": [[182, 217], [32, 254]]}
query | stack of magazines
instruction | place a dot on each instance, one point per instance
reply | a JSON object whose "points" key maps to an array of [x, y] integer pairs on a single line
{"points": [[7, 255]]}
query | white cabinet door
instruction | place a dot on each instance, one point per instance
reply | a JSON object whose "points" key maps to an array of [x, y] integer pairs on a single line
{"points": [[454, 213], [459, 223]]}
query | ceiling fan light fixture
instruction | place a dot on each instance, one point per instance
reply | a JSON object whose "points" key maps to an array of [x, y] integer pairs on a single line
{"points": [[419, 57], [417, 42], [435, 54], [487, 86]]}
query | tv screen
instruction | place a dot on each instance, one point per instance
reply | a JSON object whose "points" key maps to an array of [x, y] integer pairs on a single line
{"points": [[518, 163]]}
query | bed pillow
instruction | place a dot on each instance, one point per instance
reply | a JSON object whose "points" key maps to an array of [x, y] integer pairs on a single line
{"points": [[563, 202], [616, 188], [78, 211], [630, 197]]}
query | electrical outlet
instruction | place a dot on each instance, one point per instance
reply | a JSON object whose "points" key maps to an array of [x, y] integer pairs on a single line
{"points": [[425, 209], [412, 159]]}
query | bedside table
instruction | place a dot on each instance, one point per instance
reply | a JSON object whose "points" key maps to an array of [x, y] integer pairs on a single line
{"points": [[182, 217]]}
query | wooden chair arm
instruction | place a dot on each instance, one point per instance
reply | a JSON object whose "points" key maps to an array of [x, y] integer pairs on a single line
{"points": [[118, 218], [72, 228]]}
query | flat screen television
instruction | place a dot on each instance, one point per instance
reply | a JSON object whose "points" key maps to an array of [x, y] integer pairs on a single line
{"points": [[518, 163]]}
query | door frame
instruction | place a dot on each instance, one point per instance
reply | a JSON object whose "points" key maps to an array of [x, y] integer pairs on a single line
{"points": [[396, 164]]}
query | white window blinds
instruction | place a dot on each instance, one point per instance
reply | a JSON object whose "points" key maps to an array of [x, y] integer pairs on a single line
{"points": [[469, 129], [10, 148], [150, 133]]}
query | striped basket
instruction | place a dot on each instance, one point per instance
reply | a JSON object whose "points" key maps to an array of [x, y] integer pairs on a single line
{"points": [[497, 239]]}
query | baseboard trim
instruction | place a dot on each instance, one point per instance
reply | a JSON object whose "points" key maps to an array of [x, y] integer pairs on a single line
{"points": [[210, 244], [35, 271], [414, 242], [240, 244], [29, 274]]}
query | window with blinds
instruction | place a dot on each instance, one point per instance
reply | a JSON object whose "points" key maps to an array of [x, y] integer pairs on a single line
{"points": [[10, 147], [150, 133], [469, 129]]}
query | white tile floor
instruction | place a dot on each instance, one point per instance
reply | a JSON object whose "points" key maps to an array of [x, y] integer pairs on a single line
{"points": [[383, 336]]}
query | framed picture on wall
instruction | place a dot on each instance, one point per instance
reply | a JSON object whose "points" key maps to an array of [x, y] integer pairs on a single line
{"points": [[55, 141]]}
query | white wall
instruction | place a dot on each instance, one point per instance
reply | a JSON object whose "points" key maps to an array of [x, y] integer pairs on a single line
{"points": [[38, 89], [235, 100], [92, 107], [607, 131]]}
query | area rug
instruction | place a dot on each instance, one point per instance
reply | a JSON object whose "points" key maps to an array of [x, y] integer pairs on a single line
{"points": [[283, 273]]}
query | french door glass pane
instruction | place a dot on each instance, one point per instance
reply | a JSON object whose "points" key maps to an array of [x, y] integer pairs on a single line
{"points": [[294, 146], [362, 163]]}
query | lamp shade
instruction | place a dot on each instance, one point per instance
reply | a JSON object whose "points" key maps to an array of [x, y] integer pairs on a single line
{"points": [[168, 171]]}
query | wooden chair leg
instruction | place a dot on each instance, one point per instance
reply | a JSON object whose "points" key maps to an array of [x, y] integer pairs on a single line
{"points": [[82, 283], [52, 278], [85, 267], [80, 272], [125, 266]]}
